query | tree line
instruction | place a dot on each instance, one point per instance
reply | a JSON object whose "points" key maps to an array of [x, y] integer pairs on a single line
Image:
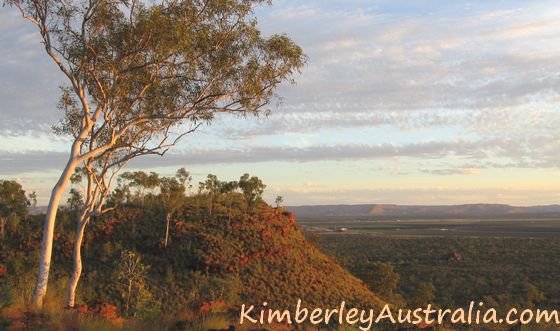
{"points": [[170, 193]]}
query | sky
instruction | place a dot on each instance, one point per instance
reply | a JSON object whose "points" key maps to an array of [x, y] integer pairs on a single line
{"points": [[405, 102]]}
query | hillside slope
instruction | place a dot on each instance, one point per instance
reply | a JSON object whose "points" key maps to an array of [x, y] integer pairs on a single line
{"points": [[237, 257], [276, 264]]}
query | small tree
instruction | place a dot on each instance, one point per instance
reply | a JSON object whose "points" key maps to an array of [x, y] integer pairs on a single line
{"points": [[212, 187], [33, 199], [279, 199], [172, 195], [252, 188], [143, 182], [228, 189], [141, 76], [75, 200], [132, 274], [13, 203]]}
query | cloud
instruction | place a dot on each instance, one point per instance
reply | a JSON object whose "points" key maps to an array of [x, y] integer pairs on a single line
{"points": [[333, 118], [31, 161], [468, 156], [468, 150], [367, 60], [29, 85], [402, 63], [452, 171]]}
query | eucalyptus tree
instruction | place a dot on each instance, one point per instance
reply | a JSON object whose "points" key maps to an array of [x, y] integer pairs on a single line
{"points": [[212, 187], [142, 75], [142, 182], [13, 203], [252, 189], [172, 195], [278, 201], [33, 199], [228, 190], [132, 274]]}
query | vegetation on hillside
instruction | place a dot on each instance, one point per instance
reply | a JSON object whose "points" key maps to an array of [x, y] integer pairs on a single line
{"points": [[224, 246]]}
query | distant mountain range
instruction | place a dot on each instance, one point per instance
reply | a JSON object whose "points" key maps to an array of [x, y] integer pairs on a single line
{"points": [[412, 211]]}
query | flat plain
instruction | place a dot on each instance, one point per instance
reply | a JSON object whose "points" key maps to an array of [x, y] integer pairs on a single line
{"points": [[531, 227]]}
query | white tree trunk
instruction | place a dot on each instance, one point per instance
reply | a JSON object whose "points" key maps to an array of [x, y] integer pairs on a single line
{"points": [[77, 260], [50, 218], [48, 234], [168, 220]]}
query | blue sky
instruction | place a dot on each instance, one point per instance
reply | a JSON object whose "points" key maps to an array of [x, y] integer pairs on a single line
{"points": [[408, 102]]}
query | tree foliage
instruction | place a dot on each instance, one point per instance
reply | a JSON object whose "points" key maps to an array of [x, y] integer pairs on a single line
{"points": [[140, 76], [136, 71], [13, 203], [252, 188]]}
